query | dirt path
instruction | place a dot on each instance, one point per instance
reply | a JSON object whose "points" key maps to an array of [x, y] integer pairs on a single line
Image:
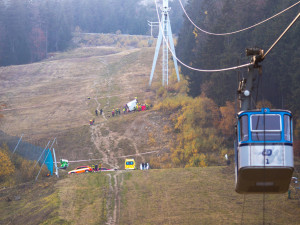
{"points": [[102, 137], [103, 145], [113, 218]]}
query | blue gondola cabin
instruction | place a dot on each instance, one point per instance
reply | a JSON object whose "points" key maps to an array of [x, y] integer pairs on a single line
{"points": [[264, 151]]}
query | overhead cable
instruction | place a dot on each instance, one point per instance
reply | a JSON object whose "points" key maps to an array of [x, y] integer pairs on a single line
{"points": [[187, 66], [234, 32], [289, 26]]}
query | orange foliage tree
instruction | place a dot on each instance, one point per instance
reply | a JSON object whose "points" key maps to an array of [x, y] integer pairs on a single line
{"points": [[228, 119], [6, 166]]}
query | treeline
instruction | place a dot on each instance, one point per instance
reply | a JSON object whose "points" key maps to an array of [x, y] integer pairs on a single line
{"points": [[31, 29], [280, 80]]}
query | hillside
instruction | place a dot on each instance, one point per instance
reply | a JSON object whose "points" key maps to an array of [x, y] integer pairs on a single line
{"points": [[58, 96]]}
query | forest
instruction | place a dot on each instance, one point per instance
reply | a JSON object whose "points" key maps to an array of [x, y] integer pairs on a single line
{"points": [[279, 81], [29, 30]]}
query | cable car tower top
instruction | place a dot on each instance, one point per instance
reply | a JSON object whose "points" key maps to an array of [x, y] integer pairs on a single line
{"points": [[165, 33]]}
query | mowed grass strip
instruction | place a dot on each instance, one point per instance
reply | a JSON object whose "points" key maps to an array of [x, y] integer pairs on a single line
{"points": [[198, 196]]}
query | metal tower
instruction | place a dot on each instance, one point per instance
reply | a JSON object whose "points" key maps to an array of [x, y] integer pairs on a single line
{"points": [[165, 33]]}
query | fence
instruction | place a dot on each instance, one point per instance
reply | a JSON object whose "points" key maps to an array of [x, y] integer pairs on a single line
{"points": [[27, 150]]}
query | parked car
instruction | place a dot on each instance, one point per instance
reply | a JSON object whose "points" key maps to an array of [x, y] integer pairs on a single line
{"points": [[81, 169]]}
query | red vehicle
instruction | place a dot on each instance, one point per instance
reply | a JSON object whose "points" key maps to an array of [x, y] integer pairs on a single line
{"points": [[81, 169]]}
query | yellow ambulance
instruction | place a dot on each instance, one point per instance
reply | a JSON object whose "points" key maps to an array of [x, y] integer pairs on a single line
{"points": [[129, 164]]}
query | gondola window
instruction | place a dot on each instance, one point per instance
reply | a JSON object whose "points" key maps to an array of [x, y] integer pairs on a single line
{"points": [[266, 127]]}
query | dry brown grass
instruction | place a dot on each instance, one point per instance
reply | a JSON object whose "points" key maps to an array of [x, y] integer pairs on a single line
{"points": [[50, 98], [53, 95]]}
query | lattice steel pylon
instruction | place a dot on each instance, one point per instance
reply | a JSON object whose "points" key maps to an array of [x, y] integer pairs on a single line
{"points": [[165, 33]]}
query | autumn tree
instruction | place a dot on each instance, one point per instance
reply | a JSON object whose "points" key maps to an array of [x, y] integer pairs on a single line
{"points": [[6, 166], [228, 119]]}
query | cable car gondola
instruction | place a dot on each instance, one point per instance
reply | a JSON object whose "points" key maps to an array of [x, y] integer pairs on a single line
{"points": [[264, 151]]}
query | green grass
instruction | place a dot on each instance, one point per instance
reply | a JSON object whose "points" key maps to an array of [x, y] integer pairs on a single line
{"points": [[198, 196], [166, 196], [39, 204], [84, 198]]}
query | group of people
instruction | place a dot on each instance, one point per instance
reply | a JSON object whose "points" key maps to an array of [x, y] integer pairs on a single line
{"points": [[144, 166], [116, 111], [139, 107], [100, 112], [96, 167]]}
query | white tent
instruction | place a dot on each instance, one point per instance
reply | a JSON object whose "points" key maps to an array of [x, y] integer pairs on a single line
{"points": [[132, 104]]}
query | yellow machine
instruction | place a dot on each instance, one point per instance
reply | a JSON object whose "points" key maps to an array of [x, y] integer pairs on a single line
{"points": [[129, 164]]}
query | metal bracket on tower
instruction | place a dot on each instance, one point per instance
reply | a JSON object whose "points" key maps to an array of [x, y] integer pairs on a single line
{"points": [[165, 33], [246, 86]]}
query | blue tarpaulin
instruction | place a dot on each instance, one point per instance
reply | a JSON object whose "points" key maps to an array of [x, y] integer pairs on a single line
{"points": [[49, 160]]}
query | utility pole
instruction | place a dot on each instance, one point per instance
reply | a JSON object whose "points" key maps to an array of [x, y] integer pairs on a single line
{"points": [[165, 33], [55, 164], [152, 24]]}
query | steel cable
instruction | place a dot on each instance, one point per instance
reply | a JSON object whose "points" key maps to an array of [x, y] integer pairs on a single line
{"points": [[234, 32], [187, 66]]}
